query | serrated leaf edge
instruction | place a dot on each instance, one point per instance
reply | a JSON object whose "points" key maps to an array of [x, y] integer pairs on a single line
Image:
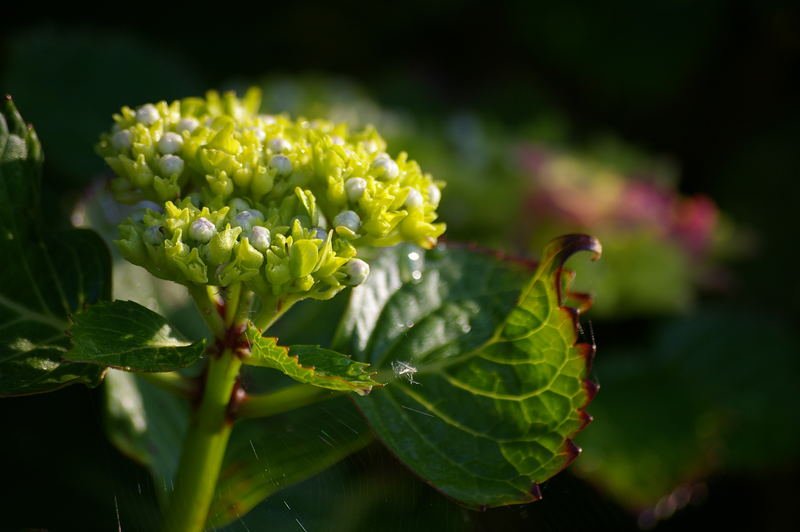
{"points": [[358, 389]]}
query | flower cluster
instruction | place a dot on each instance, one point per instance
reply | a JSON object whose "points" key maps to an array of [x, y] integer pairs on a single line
{"points": [[280, 205]]}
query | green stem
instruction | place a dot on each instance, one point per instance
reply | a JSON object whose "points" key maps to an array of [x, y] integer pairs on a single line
{"points": [[205, 302], [232, 303], [284, 400], [171, 381], [203, 449], [271, 310]]}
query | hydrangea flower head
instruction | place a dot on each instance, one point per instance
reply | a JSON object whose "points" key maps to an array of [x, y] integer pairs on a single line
{"points": [[281, 205]]}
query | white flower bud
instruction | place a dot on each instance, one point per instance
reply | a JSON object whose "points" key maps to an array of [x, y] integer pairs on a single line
{"points": [[434, 194], [147, 114], [170, 143], [239, 204], [187, 124], [267, 120], [246, 219], [259, 133], [279, 145], [281, 164], [414, 199], [256, 214], [355, 187], [260, 238], [202, 230], [171, 164], [370, 145], [357, 272], [122, 140], [336, 140], [320, 233], [388, 167], [348, 219], [154, 235]]}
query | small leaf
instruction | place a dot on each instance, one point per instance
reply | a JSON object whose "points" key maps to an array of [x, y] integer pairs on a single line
{"points": [[46, 274], [490, 380], [310, 364], [128, 336]]}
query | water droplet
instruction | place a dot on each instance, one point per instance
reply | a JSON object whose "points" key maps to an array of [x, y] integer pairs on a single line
{"points": [[466, 328], [411, 266]]}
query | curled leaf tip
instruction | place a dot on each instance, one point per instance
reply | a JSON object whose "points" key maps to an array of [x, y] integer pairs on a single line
{"points": [[562, 248]]}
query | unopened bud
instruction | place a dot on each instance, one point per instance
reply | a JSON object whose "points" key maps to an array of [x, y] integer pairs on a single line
{"points": [[147, 114], [267, 119], [434, 194], [202, 230], [246, 219], [355, 187], [259, 133], [356, 271], [154, 235], [170, 143], [348, 219], [187, 124], [239, 204], [171, 165], [122, 140], [386, 167], [260, 238], [279, 145], [414, 199], [281, 164]]}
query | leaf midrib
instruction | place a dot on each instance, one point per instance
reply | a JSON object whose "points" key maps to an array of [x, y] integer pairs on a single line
{"points": [[27, 314]]}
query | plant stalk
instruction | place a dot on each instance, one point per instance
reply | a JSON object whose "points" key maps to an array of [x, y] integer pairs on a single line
{"points": [[208, 309], [203, 449]]}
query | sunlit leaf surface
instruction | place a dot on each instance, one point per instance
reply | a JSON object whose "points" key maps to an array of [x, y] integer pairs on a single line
{"points": [[126, 335], [489, 380]]}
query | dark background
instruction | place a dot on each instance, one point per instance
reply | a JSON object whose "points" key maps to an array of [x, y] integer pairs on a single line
{"points": [[713, 85]]}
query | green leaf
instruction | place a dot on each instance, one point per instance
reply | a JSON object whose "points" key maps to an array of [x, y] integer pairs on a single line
{"points": [[46, 274], [128, 336], [146, 423], [268, 454], [490, 382], [310, 364]]}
